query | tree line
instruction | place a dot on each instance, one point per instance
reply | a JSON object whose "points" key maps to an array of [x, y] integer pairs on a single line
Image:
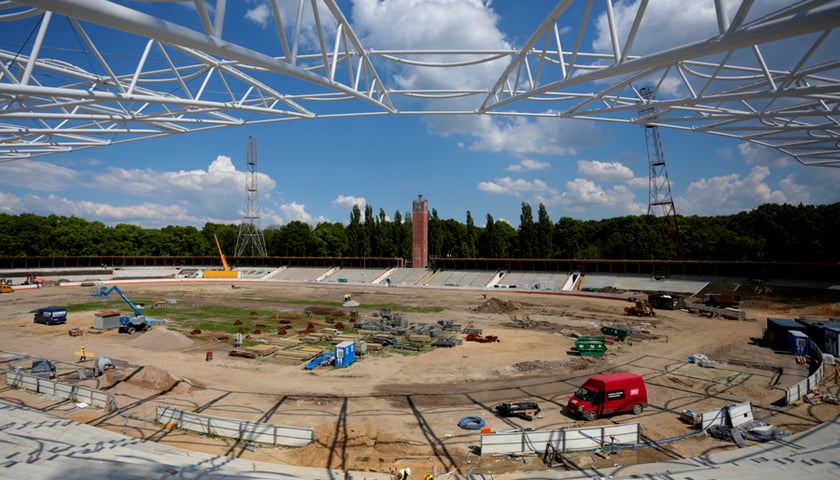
{"points": [[771, 232]]}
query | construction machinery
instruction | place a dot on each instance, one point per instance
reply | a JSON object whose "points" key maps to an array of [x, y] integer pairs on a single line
{"points": [[130, 323], [523, 410], [226, 272], [6, 286], [32, 279], [640, 308]]}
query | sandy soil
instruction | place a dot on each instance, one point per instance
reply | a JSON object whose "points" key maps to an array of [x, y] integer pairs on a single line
{"points": [[392, 409]]}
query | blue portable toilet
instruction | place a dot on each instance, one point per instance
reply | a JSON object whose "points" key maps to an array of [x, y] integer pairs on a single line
{"points": [[798, 342], [345, 353]]}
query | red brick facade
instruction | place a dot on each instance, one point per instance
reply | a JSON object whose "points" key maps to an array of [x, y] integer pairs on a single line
{"points": [[419, 233]]}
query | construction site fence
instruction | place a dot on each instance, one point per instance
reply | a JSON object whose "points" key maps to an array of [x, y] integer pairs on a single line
{"points": [[239, 429], [562, 440], [796, 392], [63, 391]]}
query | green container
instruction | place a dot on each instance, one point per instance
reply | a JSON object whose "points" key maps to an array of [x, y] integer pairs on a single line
{"points": [[342, 280], [591, 346], [619, 333]]}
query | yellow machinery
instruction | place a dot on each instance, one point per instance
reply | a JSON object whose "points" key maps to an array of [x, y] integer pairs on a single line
{"points": [[6, 287], [640, 308], [227, 272]]}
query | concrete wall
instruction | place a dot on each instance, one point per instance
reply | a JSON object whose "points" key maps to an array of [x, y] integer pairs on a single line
{"points": [[231, 428]]}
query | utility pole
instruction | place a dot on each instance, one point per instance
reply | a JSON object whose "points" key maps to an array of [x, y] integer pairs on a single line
{"points": [[660, 200], [249, 231]]}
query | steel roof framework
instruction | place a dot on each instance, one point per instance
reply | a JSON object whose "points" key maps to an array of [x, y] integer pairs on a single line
{"points": [[96, 72]]}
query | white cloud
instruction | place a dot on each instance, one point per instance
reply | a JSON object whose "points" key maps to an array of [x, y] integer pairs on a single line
{"points": [[528, 165], [147, 214], [545, 136], [259, 14], [346, 202], [514, 187], [604, 171], [218, 192], [37, 176], [582, 194], [297, 212], [731, 193], [757, 155]]}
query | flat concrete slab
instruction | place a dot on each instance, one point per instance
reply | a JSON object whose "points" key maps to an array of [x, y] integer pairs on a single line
{"points": [[37, 445]]}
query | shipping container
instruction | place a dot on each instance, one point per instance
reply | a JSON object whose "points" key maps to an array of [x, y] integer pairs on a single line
{"points": [[816, 330], [832, 342], [798, 343], [776, 335]]}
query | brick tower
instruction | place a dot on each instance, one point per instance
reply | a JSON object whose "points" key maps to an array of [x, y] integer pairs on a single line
{"points": [[420, 233]]}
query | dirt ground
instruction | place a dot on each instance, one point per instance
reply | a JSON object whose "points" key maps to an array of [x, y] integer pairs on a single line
{"points": [[389, 409]]}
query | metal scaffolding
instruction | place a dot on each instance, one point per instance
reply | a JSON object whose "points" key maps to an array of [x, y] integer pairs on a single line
{"points": [[88, 73]]}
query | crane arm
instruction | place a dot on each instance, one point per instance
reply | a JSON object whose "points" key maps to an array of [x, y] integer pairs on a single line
{"points": [[131, 304], [224, 262]]}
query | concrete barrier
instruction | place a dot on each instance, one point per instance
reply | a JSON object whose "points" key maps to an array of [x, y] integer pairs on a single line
{"points": [[562, 440], [232, 428], [64, 391], [796, 392]]}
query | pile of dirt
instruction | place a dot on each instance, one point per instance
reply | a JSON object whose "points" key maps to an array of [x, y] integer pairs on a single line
{"points": [[152, 378], [494, 305], [161, 339]]}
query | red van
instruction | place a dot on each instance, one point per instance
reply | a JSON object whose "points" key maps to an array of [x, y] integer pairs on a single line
{"points": [[607, 394]]}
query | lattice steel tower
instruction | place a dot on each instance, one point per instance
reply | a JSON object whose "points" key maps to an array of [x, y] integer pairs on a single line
{"points": [[659, 185], [249, 231]]}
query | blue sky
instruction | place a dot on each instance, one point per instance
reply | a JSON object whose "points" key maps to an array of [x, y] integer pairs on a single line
{"points": [[316, 170]]}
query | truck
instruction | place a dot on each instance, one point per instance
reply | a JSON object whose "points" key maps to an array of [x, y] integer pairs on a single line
{"points": [[609, 394], [720, 300], [50, 316]]}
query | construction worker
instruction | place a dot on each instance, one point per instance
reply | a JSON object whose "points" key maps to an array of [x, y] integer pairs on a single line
{"points": [[83, 355], [403, 474]]}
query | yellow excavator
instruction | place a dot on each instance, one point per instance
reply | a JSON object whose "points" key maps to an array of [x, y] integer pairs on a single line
{"points": [[640, 308], [6, 286], [227, 272]]}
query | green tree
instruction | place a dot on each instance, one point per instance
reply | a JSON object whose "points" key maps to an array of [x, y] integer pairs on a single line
{"points": [[544, 244], [294, 239], [331, 240], [527, 232]]}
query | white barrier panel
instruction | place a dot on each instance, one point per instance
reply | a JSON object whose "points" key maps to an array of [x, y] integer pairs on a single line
{"points": [[65, 391], [231, 428], [731, 415], [563, 440], [802, 388]]}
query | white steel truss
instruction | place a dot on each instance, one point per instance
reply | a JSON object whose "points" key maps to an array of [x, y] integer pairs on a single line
{"points": [[88, 73]]}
